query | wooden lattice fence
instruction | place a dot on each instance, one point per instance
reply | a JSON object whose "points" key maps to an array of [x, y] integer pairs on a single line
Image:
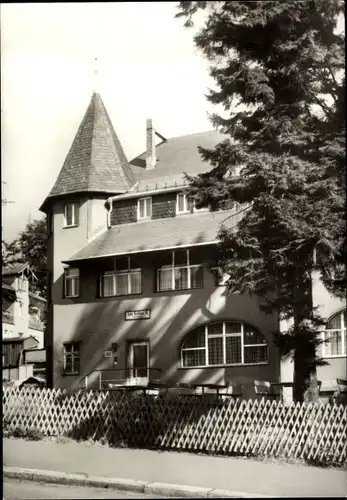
{"points": [[306, 431]]}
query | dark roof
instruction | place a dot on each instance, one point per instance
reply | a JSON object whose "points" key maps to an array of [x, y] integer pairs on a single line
{"points": [[10, 288], [10, 340], [38, 297], [96, 161], [186, 230], [14, 270], [8, 293], [175, 157]]}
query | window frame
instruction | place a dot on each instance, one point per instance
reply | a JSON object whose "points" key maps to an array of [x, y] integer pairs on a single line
{"points": [[73, 215], [342, 333], [72, 278], [49, 221], [73, 357], [172, 268], [22, 280], [129, 272], [224, 336], [187, 209], [146, 216]]}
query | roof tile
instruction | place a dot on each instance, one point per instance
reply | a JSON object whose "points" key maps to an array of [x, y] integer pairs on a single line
{"points": [[96, 161], [175, 157], [185, 230]]}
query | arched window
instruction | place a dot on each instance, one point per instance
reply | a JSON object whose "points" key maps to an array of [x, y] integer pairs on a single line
{"points": [[224, 343], [124, 279], [335, 336], [180, 270]]}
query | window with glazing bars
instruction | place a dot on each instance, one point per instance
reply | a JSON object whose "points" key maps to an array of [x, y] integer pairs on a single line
{"points": [[72, 358], [71, 283], [125, 279], [224, 343], [180, 270], [334, 337]]}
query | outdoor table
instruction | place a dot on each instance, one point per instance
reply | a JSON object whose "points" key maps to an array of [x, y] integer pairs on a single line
{"points": [[282, 385], [182, 391], [156, 388], [132, 388], [210, 388]]}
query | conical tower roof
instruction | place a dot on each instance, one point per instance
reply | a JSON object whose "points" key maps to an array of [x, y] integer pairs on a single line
{"points": [[96, 162]]}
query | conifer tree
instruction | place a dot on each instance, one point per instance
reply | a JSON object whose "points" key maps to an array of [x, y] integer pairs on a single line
{"points": [[30, 247], [278, 68]]}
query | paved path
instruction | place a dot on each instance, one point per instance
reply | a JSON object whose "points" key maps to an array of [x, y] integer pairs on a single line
{"points": [[237, 474], [25, 490]]}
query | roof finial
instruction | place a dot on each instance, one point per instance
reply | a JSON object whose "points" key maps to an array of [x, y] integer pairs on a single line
{"points": [[96, 71]]}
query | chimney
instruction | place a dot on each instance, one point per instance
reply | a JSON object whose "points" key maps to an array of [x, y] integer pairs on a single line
{"points": [[150, 144]]}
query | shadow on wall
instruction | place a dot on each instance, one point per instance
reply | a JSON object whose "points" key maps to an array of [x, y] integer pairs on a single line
{"points": [[102, 324], [96, 329]]}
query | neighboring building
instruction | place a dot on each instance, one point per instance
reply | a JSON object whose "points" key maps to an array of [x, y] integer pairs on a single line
{"points": [[132, 296], [22, 311]]}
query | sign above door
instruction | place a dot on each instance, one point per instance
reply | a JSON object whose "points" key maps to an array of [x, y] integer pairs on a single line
{"points": [[139, 314]]}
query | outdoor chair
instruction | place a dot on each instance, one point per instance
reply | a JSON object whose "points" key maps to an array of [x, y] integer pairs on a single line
{"points": [[264, 389], [156, 389], [232, 391], [328, 391], [341, 390]]}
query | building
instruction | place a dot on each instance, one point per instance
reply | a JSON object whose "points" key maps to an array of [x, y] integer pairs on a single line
{"points": [[22, 324], [22, 310], [132, 297]]}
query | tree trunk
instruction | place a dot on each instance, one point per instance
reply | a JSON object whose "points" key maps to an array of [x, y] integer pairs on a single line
{"points": [[305, 387]]}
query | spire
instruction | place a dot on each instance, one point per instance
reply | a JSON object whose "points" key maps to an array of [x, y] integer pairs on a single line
{"points": [[96, 161]]}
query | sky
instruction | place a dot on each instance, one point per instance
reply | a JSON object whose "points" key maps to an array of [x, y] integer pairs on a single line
{"points": [[147, 67]]}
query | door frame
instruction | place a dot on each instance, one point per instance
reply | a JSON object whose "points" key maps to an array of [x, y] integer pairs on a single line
{"points": [[131, 379]]}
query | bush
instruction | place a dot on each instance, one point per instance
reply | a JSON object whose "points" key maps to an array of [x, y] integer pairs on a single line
{"points": [[20, 432]]}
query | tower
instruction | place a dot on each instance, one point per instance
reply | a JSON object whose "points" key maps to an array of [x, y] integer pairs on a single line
{"points": [[95, 168]]}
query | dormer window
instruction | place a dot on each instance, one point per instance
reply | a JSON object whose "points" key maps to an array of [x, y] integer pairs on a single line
{"points": [[71, 213], [185, 205], [144, 208]]}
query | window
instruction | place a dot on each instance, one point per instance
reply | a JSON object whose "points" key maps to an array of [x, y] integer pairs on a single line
{"points": [[125, 279], [335, 336], [72, 282], [22, 283], [115, 353], [71, 214], [21, 308], [180, 270], [224, 343], [50, 222], [184, 205], [144, 208], [72, 358]]}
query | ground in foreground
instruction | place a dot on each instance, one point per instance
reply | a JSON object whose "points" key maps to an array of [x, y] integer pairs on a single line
{"points": [[25, 490]]}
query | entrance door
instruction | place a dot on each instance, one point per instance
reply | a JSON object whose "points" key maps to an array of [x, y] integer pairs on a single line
{"points": [[139, 363]]}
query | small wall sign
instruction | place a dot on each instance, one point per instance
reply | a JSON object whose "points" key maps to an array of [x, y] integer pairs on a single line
{"points": [[139, 314]]}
